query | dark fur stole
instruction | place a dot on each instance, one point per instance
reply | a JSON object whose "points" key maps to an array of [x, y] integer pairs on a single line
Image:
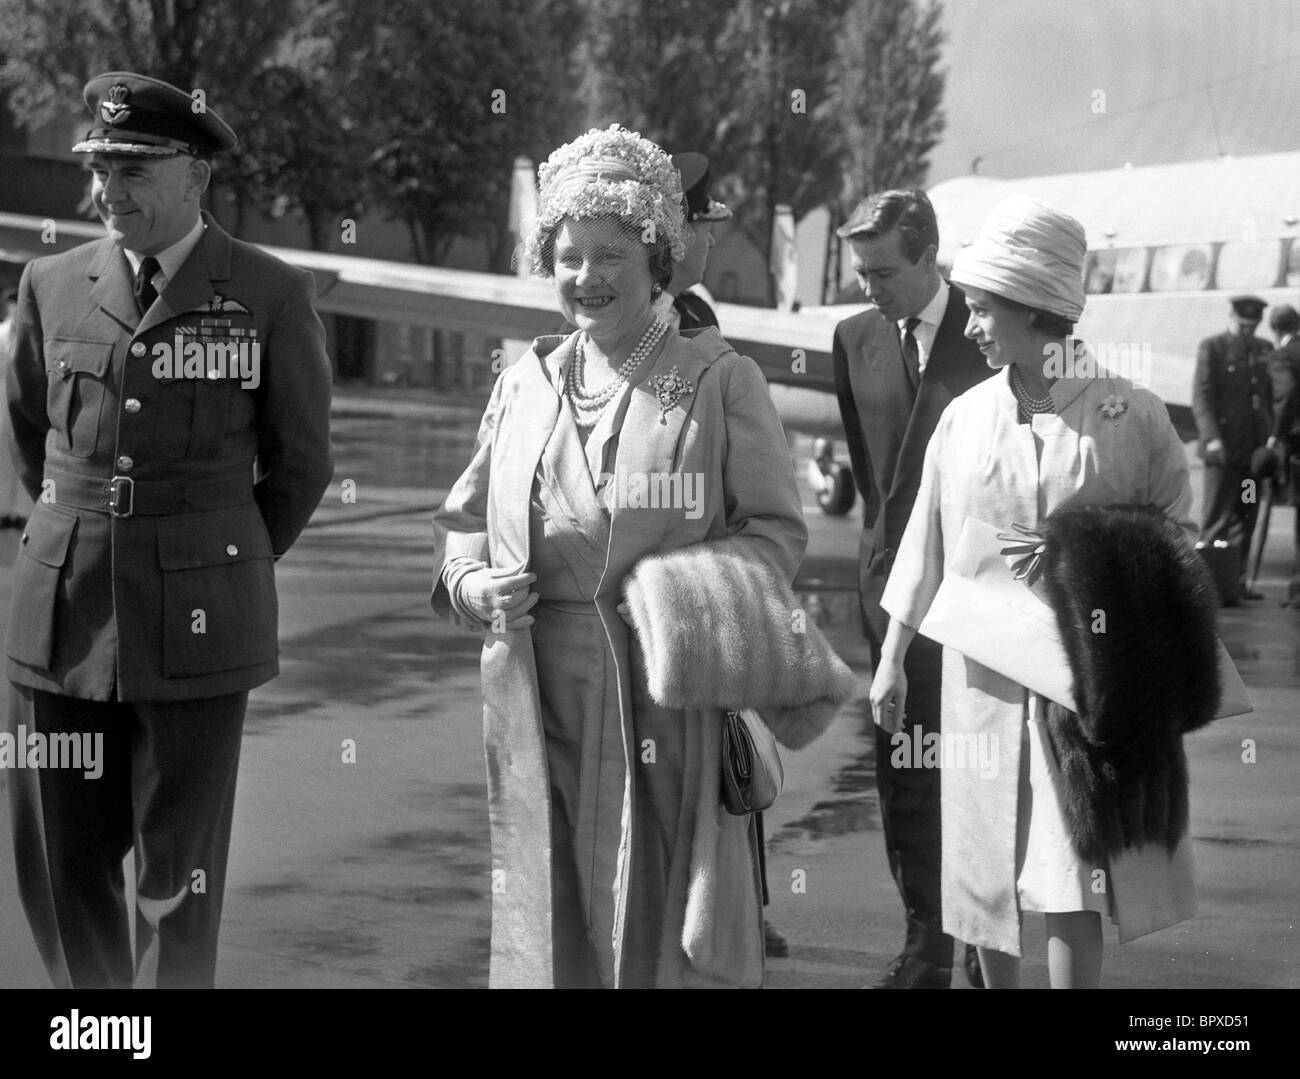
{"points": [[1136, 609]]}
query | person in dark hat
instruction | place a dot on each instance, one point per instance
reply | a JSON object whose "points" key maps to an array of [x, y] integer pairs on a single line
{"points": [[169, 399], [1232, 403], [684, 304]]}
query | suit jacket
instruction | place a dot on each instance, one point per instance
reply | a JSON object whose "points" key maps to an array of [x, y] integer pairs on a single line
{"points": [[1232, 395], [177, 599], [887, 427]]}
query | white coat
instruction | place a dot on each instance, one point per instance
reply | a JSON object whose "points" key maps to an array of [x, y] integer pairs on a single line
{"points": [[1108, 443]]}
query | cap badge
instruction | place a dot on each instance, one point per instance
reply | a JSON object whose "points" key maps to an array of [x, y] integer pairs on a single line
{"points": [[115, 110]]}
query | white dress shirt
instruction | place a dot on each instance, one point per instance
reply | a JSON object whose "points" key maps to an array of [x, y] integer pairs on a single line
{"points": [[170, 259], [931, 316]]}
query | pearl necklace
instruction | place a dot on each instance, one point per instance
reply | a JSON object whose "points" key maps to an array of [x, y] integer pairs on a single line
{"points": [[588, 407], [1030, 406]]}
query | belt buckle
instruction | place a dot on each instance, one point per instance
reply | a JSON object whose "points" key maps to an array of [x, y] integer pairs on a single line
{"points": [[115, 489]]}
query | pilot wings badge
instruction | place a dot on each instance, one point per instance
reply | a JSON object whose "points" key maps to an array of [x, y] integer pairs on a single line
{"points": [[225, 303], [116, 110]]}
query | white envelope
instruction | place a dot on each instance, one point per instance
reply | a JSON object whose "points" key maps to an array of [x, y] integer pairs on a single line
{"points": [[984, 613]]}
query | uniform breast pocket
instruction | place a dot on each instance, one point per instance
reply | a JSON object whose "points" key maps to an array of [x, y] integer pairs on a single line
{"points": [[213, 401], [42, 555], [77, 374], [219, 602]]}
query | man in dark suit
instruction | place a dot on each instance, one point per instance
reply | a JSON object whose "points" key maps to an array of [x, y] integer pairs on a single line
{"points": [[896, 368], [1232, 402], [169, 397]]}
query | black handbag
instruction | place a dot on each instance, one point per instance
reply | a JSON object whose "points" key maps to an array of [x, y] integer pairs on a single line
{"points": [[751, 765]]}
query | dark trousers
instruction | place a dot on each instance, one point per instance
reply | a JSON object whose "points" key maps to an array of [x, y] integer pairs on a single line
{"points": [[167, 788], [1224, 506], [910, 810]]}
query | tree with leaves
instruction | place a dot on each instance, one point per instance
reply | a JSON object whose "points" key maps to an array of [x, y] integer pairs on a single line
{"points": [[53, 47], [889, 92], [444, 98]]}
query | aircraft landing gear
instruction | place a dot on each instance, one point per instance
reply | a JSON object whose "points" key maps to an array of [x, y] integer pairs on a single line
{"points": [[831, 480]]}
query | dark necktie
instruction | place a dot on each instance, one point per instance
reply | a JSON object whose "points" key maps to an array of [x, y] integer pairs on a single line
{"points": [[145, 293], [912, 352]]}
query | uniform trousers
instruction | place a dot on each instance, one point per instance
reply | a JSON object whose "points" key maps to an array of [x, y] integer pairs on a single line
{"points": [[167, 789], [910, 807], [1225, 505]]}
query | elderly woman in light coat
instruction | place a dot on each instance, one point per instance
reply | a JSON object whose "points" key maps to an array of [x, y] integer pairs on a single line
{"points": [[1051, 428], [619, 441]]}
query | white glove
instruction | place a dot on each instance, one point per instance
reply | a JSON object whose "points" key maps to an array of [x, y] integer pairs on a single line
{"points": [[499, 596]]}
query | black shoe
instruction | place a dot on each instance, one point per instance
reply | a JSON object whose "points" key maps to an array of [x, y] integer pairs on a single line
{"points": [[909, 972], [974, 975], [775, 946]]}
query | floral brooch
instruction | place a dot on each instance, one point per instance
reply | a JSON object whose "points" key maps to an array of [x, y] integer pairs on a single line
{"points": [[669, 389], [1113, 407]]}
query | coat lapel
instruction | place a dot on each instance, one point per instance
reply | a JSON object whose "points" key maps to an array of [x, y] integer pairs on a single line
{"points": [[522, 438], [648, 442], [113, 289], [192, 286], [933, 394]]}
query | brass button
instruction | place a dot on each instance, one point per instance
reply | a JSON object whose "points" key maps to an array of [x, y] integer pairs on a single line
{"points": [[132, 405], [125, 463], [62, 365], [138, 349], [232, 550]]}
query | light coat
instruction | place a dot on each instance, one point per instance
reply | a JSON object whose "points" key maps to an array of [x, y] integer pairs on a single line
{"points": [[726, 432], [981, 463]]}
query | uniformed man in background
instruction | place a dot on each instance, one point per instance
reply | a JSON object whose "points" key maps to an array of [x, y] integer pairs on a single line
{"points": [[685, 305], [1232, 402], [169, 396]]}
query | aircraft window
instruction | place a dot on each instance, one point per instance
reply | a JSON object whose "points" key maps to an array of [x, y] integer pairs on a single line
{"points": [[1114, 270], [1180, 268], [1248, 264]]}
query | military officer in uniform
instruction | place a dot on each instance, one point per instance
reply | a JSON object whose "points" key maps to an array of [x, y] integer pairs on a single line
{"points": [[1232, 400], [684, 304], [169, 397]]}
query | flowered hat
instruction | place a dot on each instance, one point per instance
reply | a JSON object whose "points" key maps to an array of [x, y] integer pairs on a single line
{"points": [[607, 173]]}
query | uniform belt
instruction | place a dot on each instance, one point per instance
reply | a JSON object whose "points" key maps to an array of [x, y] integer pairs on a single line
{"points": [[122, 496]]}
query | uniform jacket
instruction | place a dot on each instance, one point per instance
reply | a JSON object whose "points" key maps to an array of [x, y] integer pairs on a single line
{"points": [[176, 600], [728, 434], [1232, 395], [887, 428], [694, 312], [1109, 443]]}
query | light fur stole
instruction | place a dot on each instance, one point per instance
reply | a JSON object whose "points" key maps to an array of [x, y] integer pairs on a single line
{"points": [[722, 629]]}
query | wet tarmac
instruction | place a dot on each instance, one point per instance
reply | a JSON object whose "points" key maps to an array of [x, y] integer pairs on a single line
{"points": [[375, 873]]}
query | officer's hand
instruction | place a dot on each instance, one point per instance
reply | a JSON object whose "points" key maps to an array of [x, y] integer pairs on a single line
{"points": [[494, 593], [1214, 452]]}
